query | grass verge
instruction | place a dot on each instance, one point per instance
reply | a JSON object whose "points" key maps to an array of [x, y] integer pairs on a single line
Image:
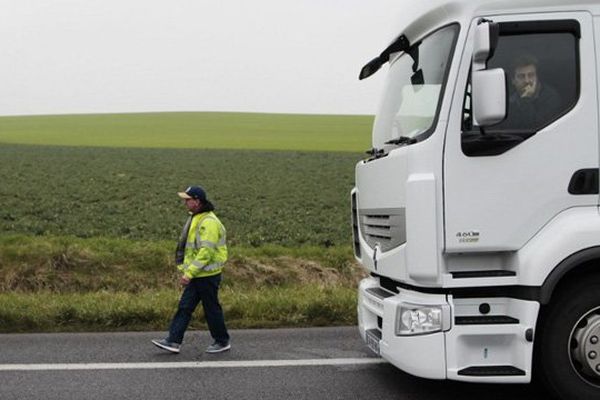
{"points": [[270, 307], [60, 284]]}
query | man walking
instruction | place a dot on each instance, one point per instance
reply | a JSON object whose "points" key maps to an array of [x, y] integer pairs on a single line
{"points": [[200, 256]]}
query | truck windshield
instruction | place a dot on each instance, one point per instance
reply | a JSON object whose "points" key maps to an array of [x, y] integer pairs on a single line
{"points": [[410, 106]]}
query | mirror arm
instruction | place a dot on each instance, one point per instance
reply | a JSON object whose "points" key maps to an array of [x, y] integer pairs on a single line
{"points": [[413, 52], [400, 44]]}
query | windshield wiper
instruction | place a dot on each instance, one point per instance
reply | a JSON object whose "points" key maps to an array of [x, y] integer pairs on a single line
{"points": [[402, 140], [375, 152]]}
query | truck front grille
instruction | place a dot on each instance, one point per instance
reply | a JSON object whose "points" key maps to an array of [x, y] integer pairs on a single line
{"points": [[386, 227]]}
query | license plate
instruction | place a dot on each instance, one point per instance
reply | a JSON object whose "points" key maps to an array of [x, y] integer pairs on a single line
{"points": [[373, 337]]}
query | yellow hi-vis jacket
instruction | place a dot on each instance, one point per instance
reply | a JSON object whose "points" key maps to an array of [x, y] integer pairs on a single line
{"points": [[205, 249]]}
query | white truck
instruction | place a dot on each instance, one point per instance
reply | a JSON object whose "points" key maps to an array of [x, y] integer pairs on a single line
{"points": [[477, 213]]}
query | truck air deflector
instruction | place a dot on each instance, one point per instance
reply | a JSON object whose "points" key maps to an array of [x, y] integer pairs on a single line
{"points": [[550, 26]]}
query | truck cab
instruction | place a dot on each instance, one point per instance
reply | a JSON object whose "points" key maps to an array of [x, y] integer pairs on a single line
{"points": [[476, 212]]}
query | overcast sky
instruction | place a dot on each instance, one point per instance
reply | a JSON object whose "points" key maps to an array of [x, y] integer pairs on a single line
{"points": [[96, 56]]}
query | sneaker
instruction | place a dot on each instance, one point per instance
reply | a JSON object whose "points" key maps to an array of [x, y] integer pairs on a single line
{"points": [[166, 345], [217, 347]]}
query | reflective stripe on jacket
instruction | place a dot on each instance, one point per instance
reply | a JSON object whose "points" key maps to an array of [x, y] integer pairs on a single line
{"points": [[205, 249]]}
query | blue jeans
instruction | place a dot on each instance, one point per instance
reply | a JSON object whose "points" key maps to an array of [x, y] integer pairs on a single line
{"points": [[205, 290]]}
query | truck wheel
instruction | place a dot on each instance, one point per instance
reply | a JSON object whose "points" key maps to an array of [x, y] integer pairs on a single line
{"points": [[569, 348]]}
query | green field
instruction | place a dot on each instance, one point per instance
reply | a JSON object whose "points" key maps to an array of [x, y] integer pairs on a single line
{"points": [[245, 131], [88, 212], [286, 198]]}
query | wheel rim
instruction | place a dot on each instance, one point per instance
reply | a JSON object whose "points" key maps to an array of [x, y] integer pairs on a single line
{"points": [[584, 347]]}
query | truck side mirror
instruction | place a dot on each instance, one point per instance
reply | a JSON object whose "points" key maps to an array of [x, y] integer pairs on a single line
{"points": [[489, 85], [489, 96]]}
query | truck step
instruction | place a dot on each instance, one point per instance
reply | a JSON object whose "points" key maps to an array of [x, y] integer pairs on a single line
{"points": [[485, 320], [380, 293], [482, 274], [492, 370]]}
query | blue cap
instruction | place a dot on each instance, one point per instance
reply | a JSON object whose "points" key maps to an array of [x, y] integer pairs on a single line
{"points": [[193, 192]]}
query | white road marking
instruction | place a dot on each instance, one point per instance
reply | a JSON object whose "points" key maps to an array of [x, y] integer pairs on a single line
{"points": [[191, 364]]}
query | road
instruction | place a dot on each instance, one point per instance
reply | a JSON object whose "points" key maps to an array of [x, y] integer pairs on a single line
{"points": [[312, 363]]}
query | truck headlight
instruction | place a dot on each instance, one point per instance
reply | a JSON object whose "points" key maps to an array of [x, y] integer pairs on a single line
{"points": [[417, 320]]}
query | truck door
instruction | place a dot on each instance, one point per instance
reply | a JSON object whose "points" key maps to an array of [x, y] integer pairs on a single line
{"points": [[503, 184]]}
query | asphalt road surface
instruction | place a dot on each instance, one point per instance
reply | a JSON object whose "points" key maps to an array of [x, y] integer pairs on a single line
{"points": [[314, 363]]}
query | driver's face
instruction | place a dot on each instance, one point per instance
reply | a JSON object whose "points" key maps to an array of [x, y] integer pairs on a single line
{"points": [[525, 80]]}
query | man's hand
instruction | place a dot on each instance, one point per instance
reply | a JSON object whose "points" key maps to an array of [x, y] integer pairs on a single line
{"points": [[528, 90], [184, 281]]}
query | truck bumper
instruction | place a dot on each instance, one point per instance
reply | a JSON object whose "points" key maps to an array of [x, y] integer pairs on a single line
{"points": [[420, 355], [462, 350]]}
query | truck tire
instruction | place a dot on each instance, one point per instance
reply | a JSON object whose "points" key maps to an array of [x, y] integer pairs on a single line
{"points": [[568, 351]]}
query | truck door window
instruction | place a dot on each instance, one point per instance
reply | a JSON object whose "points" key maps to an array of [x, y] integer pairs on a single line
{"points": [[541, 62]]}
